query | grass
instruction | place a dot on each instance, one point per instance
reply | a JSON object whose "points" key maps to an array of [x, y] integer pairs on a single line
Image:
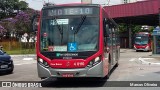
{"points": [[23, 51]]}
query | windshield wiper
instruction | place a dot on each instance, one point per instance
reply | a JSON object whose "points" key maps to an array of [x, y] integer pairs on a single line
{"points": [[59, 28], [80, 24]]}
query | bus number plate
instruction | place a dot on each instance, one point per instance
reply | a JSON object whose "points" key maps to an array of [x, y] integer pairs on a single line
{"points": [[67, 75]]}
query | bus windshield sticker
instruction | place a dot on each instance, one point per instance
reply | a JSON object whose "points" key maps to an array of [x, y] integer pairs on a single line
{"points": [[50, 48], [44, 34], [59, 48], [138, 37], [66, 54], [72, 47], [59, 22]]}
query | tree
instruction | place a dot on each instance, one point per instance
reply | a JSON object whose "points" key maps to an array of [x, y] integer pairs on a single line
{"points": [[23, 22], [135, 28], [122, 27], [2, 30], [8, 8], [22, 5]]}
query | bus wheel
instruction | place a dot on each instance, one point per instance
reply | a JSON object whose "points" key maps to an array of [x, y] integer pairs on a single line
{"points": [[109, 69], [117, 64]]}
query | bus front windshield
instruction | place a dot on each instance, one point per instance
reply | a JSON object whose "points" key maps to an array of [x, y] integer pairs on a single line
{"points": [[141, 40], [69, 34]]}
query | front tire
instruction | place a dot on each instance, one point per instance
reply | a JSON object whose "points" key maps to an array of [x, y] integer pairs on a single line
{"points": [[10, 71], [117, 64], [109, 69]]}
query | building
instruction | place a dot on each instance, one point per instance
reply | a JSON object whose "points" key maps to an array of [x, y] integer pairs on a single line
{"points": [[86, 1]]}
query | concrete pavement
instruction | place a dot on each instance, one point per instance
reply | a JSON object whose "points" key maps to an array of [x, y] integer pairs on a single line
{"points": [[153, 59]]}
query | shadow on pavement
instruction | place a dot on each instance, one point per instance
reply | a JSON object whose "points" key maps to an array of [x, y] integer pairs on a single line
{"points": [[75, 82], [5, 73]]}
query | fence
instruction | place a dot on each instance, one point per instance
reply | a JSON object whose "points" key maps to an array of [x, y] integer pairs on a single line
{"points": [[16, 47]]}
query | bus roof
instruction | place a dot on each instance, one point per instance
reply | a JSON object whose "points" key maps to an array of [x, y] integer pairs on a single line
{"points": [[70, 4]]}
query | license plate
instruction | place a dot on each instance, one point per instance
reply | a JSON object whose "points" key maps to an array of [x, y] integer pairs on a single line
{"points": [[67, 75], [4, 66]]}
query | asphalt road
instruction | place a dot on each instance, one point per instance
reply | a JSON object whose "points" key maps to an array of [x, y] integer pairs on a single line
{"points": [[133, 66]]}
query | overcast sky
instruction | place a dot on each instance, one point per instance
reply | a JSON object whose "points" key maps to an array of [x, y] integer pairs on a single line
{"points": [[37, 4]]}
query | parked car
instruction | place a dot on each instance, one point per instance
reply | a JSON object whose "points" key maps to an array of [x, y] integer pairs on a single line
{"points": [[6, 63]]}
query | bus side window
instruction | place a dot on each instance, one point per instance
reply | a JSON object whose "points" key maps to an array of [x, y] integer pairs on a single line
{"points": [[104, 31]]}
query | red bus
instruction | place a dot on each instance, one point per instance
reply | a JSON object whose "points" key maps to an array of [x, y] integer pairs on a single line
{"points": [[142, 41], [76, 41]]}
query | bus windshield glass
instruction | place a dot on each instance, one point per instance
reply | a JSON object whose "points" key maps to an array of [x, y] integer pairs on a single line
{"points": [[141, 40], [69, 33]]}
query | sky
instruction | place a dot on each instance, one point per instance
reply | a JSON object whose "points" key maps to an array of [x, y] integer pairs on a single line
{"points": [[38, 4]]}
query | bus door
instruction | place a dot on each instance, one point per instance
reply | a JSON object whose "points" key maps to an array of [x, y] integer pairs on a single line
{"points": [[107, 44], [106, 36], [113, 42], [110, 41]]}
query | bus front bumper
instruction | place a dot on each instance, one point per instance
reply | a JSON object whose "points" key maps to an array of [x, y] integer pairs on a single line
{"points": [[95, 71], [142, 49]]}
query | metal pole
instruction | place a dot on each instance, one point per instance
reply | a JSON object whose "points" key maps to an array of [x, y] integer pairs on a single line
{"points": [[159, 17], [130, 37]]}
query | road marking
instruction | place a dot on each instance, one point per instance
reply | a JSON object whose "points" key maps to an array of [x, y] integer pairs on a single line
{"points": [[28, 59], [132, 59], [24, 63], [143, 60]]}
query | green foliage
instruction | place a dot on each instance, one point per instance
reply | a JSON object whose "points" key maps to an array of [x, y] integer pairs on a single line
{"points": [[21, 51], [8, 7], [135, 28], [15, 19], [122, 27], [23, 5], [151, 29]]}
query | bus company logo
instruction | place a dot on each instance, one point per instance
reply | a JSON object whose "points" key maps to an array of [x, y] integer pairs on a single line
{"points": [[66, 54], [67, 64], [58, 54], [6, 84]]}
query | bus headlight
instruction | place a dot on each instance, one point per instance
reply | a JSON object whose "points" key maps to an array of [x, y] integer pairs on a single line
{"points": [[135, 47], [43, 62], [147, 48], [94, 62]]}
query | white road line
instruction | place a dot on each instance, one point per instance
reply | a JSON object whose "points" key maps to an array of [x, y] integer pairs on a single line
{"points": [[132, 59], [147, 58], [143, 60], [24, 63], [28, 59]]}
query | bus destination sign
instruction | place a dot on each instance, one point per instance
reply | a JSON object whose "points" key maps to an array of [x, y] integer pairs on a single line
{"points": [[70, 11]]}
